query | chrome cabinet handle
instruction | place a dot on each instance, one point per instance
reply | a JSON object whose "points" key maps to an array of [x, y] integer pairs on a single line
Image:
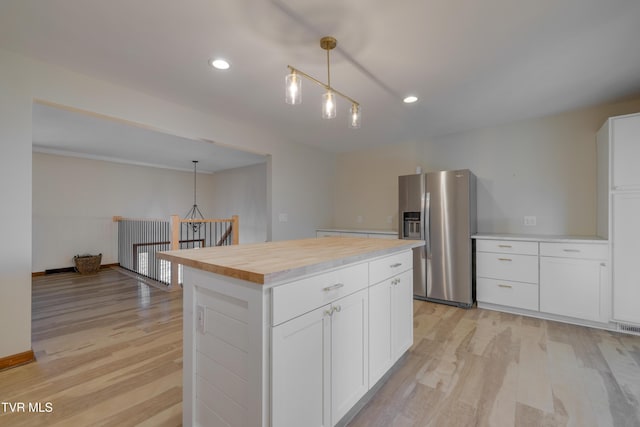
{"points": [[397, 264], [505, 246], [337, 308], [505, 259], [328, 312], [505, 286], [333, 287], [571, 250]]}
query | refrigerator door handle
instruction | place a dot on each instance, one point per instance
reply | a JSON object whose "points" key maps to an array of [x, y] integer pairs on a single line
{"points": [[427, 223]]}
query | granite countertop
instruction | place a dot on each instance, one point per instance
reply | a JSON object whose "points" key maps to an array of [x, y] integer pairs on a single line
{"points": [[540, 238], [265, 263]]}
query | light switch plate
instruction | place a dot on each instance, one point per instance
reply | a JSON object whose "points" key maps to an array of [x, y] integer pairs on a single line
{"points": [[283, 217], [530, 221]]}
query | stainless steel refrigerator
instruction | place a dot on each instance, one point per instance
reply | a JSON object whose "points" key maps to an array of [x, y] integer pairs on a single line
{"points": [[440, 208]]}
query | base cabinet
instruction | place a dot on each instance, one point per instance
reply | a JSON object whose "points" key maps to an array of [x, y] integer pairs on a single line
{"points": [[571, 287], [391, 324], [563, 279], [300, 371], [625, 257], [349, 353], [320, 363], [292, 353]]}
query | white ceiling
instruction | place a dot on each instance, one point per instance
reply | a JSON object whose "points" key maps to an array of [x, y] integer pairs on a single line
{"points": [[473, 63], [71, 133]]}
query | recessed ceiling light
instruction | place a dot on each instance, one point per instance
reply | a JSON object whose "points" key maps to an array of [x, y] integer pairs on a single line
{"points": [[219, 64], [410, 99]]}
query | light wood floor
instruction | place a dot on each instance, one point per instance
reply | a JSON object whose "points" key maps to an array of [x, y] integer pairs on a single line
{"points": [[482, 368], [109, 354]]}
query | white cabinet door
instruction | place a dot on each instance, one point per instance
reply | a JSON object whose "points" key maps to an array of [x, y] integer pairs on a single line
{"points": [[380, 353], [402, 315], [349, 353], [570, 287], [626, 152], [626, 257], [300, 374], [390, 324]]}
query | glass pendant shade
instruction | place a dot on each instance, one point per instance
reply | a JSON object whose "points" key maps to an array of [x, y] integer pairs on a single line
{"points": [[355, 117], [293, 89], [328, 105]]}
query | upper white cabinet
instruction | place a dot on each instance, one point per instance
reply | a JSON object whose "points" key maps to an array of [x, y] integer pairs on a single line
{"points": [[625, 151]]}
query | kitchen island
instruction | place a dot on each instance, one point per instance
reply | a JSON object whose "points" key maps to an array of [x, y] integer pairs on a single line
{"points": [[291, 333]]}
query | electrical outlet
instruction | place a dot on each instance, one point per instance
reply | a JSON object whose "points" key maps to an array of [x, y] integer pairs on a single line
{"points": [[283, 217], [200, 319], [359, 219], [530, 221], [389, 219]]}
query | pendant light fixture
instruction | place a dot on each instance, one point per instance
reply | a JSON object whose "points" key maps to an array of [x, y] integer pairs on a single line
{"points": [[293, 89], [194, 214]]}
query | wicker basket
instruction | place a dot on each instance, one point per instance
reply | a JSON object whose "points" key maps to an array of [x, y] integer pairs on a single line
{"points": [[87, 264]]}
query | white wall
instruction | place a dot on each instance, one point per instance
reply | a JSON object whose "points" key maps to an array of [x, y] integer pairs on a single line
{"points": [[74, 201], [367, 185], [15, 208], [543, 167], [243, 192], [307, 197]]}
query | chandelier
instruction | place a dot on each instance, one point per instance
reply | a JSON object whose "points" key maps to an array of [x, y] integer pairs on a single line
{"points": [[194, 214], [293, 89]]}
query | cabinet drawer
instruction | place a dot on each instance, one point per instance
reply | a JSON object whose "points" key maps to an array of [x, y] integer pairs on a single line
{"points": [[295, 298], [507, 247], [386, 267], [519, 268], [512, 294], [574, 250]]}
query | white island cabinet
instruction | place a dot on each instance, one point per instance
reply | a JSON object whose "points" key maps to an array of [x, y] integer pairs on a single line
{"points": [[283, 333]]}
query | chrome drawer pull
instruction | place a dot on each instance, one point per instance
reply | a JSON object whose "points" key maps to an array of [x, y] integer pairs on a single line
{"points": [[397, 264], [505, 259], [505, 246], [506, 286], [571, 250], [328, 312], [333, 287]]}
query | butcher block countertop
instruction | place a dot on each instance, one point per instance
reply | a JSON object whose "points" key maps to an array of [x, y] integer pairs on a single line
{"points": [[270, 262]]}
